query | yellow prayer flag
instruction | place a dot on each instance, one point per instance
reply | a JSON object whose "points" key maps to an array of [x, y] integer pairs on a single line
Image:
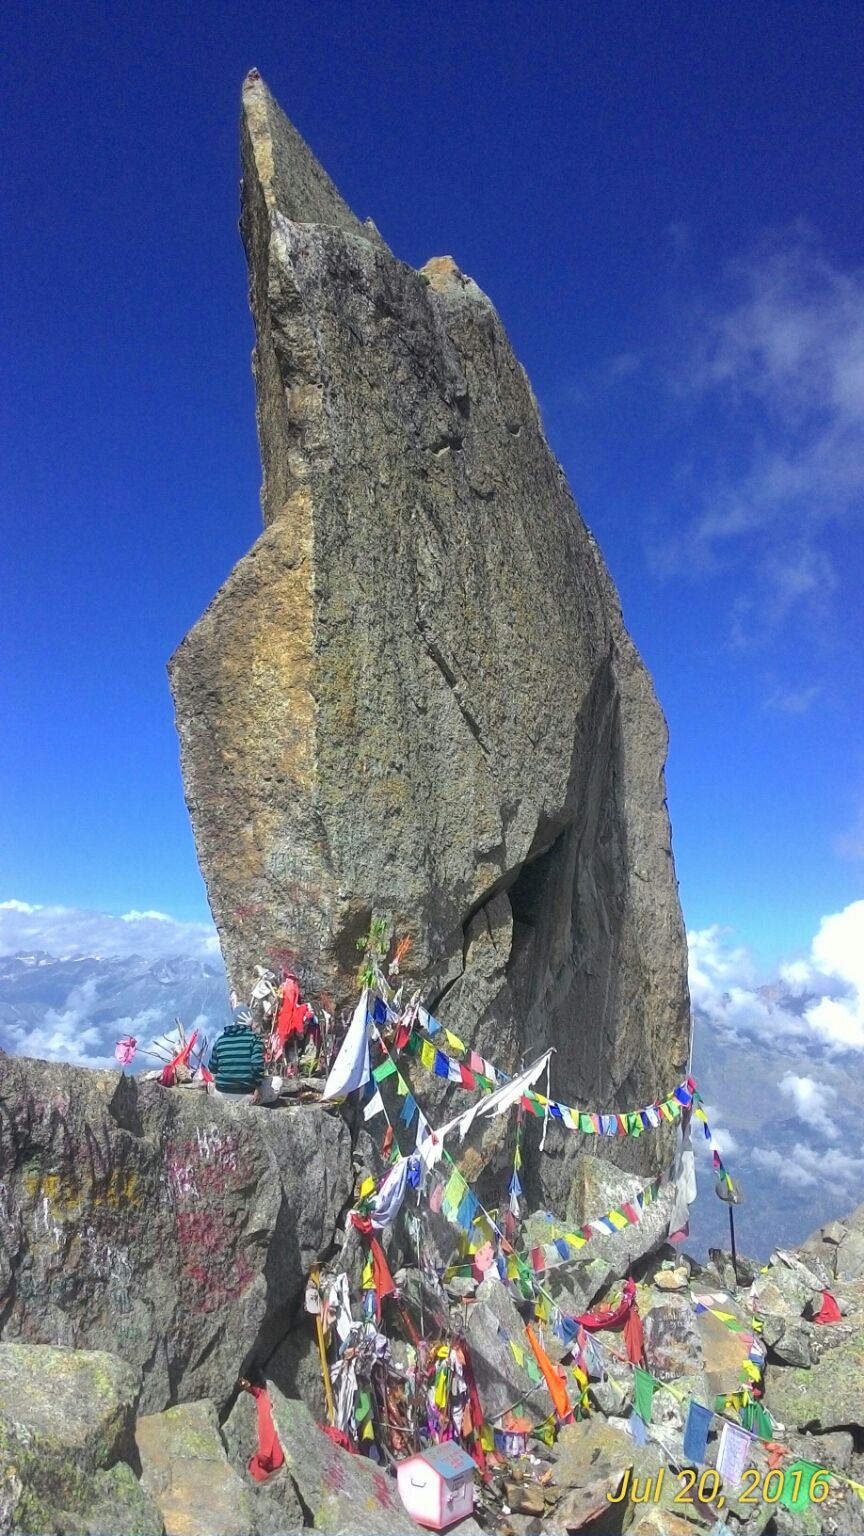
{"points": [[427, 1054], [618, 1220], [367, 1188], [454, 1042], [487, 1437], [368, 1433]]}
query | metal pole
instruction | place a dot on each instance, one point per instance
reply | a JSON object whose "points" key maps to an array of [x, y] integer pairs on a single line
{"points": [[732, 1237]]}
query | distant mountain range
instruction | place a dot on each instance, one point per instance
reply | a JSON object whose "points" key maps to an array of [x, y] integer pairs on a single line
{"points": [[799, 1161], [75, 1009]]}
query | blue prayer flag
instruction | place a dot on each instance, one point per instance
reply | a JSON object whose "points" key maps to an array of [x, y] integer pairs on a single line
{"points": [[442, 1065], [638, 1429], [379, 1011], [696, 1431], [409, 1110]]}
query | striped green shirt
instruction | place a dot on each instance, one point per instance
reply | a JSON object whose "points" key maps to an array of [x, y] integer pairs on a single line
{"points": [[237, 1059]]}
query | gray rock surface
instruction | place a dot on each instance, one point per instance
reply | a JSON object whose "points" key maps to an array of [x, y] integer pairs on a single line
{"points": [[186, 1472], [67, 1443], [415, 696], [345, 1495], [840, 1246], [830, 1394], [502, 1383], [673, 1346], [276, 1505], [173, 1229]]}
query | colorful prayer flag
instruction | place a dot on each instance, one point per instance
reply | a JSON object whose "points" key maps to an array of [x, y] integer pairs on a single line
{"points": [[644, 1387], [696, 1431]]}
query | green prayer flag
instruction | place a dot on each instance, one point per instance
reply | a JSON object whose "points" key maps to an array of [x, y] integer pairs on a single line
{"points": [[797, 1480], [453, 1191], [384, 1070], [643, 1399], [362, 1407], [754, 1417], [482, 1082], [532, 1369]]}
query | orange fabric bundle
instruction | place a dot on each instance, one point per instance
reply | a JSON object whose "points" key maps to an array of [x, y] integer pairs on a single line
{"points": [[553, 1377]]}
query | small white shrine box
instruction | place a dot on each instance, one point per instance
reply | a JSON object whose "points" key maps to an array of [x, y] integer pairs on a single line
{"points": [[437, 1486]]}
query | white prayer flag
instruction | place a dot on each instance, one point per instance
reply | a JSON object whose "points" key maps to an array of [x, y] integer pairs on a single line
{"points": [[388, 1201], [498, 1102], [374, 1107], [733, 1453], [350, 1070]]}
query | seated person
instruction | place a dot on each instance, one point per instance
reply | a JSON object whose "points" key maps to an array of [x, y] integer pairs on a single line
{"points": [[237, 1058]]}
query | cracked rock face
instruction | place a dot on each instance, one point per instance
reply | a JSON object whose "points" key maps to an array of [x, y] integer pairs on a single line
{"points": [[415, 696]]}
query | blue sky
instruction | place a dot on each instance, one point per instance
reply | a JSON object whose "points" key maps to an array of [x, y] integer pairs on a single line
{"points": [[663, 203]]}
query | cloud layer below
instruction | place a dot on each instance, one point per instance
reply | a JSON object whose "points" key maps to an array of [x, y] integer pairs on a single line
{"points": [[67, 931], [781, 1058]]}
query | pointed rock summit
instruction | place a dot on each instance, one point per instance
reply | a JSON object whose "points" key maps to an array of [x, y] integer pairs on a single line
{"points": [[415, 697]]}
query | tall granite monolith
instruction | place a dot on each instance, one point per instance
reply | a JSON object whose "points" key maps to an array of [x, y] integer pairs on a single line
{"points": [[415, 697]]}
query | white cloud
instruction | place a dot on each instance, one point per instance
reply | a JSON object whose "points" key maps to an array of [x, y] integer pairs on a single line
{"points": [[806, 1167], [715, 965], [69, 931], [815, 1000], [792, 701], [806, 1094], [779, 360]]}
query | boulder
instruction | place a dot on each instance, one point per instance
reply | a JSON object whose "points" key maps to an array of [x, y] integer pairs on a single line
{"points": [[67, 1444], [502, 1382], [185, 1470], [342, 1493], [173, 1229], [598, 1186], [673, 1346], [276, 1505], [415, 697], [830, 1395], [793, 1345], [592, 1450], [840, 1246], [723, 1350]]}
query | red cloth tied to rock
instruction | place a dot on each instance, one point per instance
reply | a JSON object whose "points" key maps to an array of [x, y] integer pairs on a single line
{"points": [[269, 1455], [168, 1075], [293, 1015], [627, 1313], [385, 1285], [829, 1312]]}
